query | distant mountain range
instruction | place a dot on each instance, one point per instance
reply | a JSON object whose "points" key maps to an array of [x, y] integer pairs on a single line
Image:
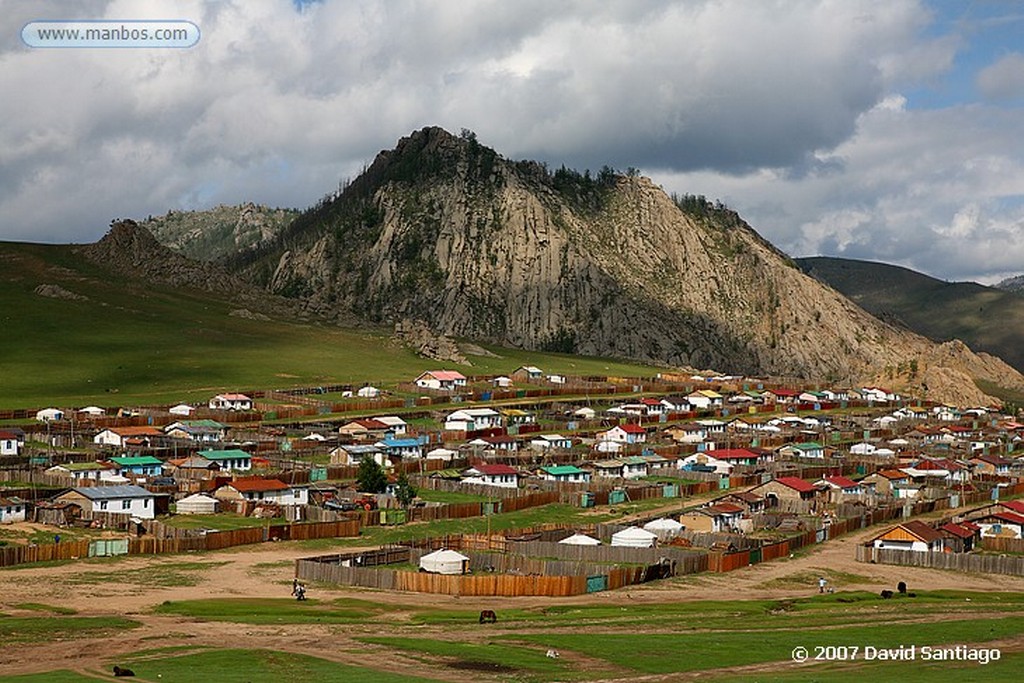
{"points": [[985, 318]]}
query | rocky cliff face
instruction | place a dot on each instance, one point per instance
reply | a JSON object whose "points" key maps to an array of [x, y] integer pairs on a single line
{"points": [[445, 231], [220, 231]]}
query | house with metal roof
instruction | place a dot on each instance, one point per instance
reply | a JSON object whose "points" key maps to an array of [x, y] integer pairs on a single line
{"points": [[95, 471], [569, 473], [492, 475], [230, 459], [230, 402], [441, 380], [128, 500], [200, 431], [144, 465]]}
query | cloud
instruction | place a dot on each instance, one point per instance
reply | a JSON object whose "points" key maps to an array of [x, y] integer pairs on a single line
{"points": [[790, 111], [938, 191], [1004, 79]]}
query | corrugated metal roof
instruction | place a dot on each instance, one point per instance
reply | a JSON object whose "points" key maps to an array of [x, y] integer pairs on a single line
{"points": [[108, 492]]}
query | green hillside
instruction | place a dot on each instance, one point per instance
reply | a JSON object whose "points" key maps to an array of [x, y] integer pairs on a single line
{"points": [[985, 318], [121, 342]]}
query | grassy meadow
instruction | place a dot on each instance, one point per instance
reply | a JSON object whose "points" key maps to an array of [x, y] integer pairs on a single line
{"points": [[127, 343], [723, 640]]}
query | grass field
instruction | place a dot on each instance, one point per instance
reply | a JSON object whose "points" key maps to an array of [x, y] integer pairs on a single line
{"points": [[253, 666], [55, 628], [134, 343], [726, 640], [274, 610]]}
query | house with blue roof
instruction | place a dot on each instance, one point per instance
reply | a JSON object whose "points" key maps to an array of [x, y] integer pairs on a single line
{"points": [[407, 449]]}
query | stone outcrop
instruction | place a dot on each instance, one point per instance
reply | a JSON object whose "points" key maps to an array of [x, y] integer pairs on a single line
{"points": [[58, 292], [419, 337]]}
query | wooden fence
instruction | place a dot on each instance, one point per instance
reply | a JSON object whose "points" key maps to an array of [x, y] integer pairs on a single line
{"points": [[1003, 545], [24, 554], [351, 569], [188, 541], [687, 561], [961, 562]]}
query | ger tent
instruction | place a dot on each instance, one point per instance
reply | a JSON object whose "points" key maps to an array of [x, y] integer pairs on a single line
{"points": [[197, 504], [580, 539], [664, 528], [444, 562], [634, 537]]}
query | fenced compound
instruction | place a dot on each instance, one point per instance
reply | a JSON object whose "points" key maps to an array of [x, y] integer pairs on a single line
{"points": [[961, 562], [504, 574]]}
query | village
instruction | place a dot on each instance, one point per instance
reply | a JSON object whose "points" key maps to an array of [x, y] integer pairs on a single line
{"points": [[718, 473]]}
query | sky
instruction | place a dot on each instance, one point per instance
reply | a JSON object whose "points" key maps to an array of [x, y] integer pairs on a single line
{"points": [[886, 130]]}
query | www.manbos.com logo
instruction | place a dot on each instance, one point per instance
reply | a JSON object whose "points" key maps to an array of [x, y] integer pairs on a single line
{"points": [[110, 33]]}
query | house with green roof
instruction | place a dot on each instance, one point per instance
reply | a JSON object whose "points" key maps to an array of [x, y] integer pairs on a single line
{"points": [[231, 459], [569, 473], [145, 465]]}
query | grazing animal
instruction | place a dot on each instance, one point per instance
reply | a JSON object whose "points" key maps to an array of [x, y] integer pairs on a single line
{"points": [[118, 671], [886, 594], [488, 616], [901, 587], [553, 654]]}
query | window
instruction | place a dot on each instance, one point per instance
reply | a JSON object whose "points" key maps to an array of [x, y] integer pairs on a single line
{"points": [[145, 503], [103, 505], [126, 504]]}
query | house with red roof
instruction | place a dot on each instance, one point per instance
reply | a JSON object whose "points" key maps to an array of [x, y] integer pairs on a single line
{"points": [[263, 490], [492, 475], [1003, 524], [441, 380], [1013, 506], [786, 488], [914, 535], [780, 395], [627, 433], [886, 482], [839, 487], [704, 461], [123, 437], [9, 443], [365, 428], [741, 456], [991, 464], [961, 537]]}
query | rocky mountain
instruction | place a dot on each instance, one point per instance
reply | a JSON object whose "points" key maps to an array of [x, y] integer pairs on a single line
{"points": [[985, 318], [445, 231], [1012, 284], [209, 235], [130, 250]]}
